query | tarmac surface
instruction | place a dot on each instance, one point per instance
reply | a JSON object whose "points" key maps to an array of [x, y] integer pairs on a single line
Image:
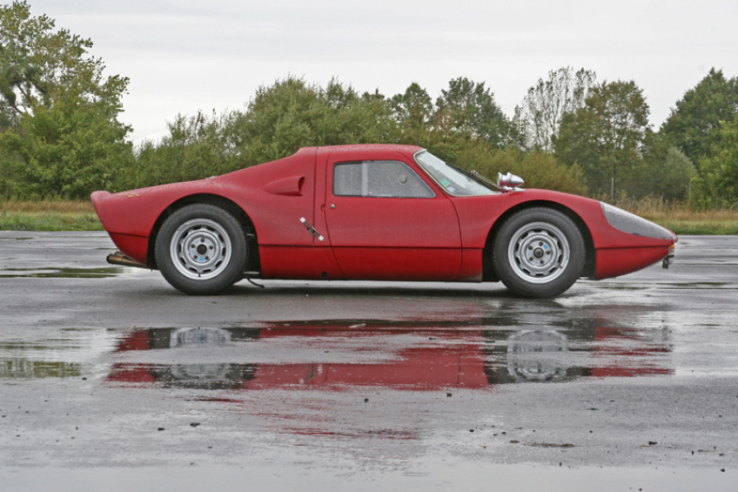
{"points": [[112, 380]]}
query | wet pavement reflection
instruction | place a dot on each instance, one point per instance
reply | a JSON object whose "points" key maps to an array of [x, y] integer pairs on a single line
{"points": [[422, 358], [330, 355], [52, 272]]}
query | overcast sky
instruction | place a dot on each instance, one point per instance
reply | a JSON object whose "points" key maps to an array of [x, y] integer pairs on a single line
{"points": [[185, 55]]}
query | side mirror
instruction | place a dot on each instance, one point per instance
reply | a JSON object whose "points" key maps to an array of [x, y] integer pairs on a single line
{"points": [[508, 182]]}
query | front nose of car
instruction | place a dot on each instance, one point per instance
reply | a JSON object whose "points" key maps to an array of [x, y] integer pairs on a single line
{"points": [[632, 224]]}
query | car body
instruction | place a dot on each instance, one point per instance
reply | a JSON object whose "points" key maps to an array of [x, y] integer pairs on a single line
{"points": [[373, 212]]}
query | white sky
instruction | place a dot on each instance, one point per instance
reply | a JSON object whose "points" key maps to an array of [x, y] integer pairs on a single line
{"points": [[185, 55]]}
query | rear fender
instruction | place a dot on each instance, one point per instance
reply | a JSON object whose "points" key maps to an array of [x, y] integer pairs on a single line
{"points": [[218, 201]]}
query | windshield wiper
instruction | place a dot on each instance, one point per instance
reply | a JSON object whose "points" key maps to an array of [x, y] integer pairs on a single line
{"points": [[476, 176], [474, 173]]}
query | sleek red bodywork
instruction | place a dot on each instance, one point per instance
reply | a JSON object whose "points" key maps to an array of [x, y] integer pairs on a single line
{"points": [[444, 238]]}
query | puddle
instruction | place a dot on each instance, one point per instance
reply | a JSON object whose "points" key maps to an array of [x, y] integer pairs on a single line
{"points": [[405, 356], [330, 355], [70, 354], [35, 369], [104, 272], [702, 285]]}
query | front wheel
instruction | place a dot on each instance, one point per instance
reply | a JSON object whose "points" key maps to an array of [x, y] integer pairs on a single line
{"points": [[539, 252], [201, 249]]}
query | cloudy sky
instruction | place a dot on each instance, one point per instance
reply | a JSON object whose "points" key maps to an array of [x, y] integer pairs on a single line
{"points": [[185, 55]]}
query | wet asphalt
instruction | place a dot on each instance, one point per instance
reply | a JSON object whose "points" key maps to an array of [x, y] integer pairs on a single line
{"points": [[111, 378]]}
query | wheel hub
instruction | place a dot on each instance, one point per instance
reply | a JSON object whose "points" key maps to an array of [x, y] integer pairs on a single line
{"points": [[538, 252], [200, 249]]}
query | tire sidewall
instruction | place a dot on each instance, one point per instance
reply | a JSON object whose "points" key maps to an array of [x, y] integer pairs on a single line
{"points": [[518, 285], [230, 274]]}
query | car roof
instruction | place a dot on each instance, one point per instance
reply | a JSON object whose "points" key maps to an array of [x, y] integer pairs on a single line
{"points": [[364, 148]]}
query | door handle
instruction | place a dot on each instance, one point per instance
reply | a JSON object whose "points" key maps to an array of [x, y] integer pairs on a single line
{"points": [[311, 229]]}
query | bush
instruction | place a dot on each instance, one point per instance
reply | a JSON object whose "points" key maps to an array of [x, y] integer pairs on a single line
{"points": [[538, 169]]}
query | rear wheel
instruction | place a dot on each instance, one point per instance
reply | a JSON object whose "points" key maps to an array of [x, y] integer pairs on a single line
{"points": [[201, 249], [539, 252]]}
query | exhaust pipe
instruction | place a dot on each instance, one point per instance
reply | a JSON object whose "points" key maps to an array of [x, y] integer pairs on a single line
{"points": [[118, 258]]}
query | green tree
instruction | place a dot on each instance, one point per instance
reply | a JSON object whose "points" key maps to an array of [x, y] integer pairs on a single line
{"points": [[291, 114], [468, 108], [538, 169], [63, 137], [694, 125], [538, 118], [718, 182], [7, 116], [413, 109], [666, 171], [195, 147], [606, 137]]}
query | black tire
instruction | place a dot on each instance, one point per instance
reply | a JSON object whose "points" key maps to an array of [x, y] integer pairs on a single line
{"points": [[554, 247], [216, 244]]}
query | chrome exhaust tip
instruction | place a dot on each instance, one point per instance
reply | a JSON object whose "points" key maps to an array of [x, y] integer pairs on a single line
{"points": [[118, 258]]}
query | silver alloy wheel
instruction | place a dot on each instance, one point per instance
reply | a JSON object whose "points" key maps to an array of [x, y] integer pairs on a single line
{"points": [[200, 249], [538, 252]]}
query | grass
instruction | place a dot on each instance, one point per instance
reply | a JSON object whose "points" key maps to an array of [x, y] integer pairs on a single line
{"points": [[48, 216], [681, 219], [80, 216]]}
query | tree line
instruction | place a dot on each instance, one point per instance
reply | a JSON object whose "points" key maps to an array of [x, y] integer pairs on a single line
{"points": [[60, 134]]}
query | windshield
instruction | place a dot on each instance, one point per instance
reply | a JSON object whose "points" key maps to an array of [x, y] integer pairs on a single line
{"points": [[452, 180]]}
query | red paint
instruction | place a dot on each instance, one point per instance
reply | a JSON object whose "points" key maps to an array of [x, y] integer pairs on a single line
{"points": [[391, 238], [290, 186], [411, 264], [616, 262], [133, 246], [471, 265], [299, 263], [438, 238]]}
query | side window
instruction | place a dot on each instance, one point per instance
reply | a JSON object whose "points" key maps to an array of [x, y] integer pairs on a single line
{"points": [[388, 179]]}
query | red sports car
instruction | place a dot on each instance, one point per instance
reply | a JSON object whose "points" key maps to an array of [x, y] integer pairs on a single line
{"points": [[374, 212]]}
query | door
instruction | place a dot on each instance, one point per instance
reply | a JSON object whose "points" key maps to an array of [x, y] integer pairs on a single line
{"points": [[386, 223]]}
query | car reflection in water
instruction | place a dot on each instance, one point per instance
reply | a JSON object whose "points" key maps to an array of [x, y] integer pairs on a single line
{"points": [[410, 356], [532, 356]]}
